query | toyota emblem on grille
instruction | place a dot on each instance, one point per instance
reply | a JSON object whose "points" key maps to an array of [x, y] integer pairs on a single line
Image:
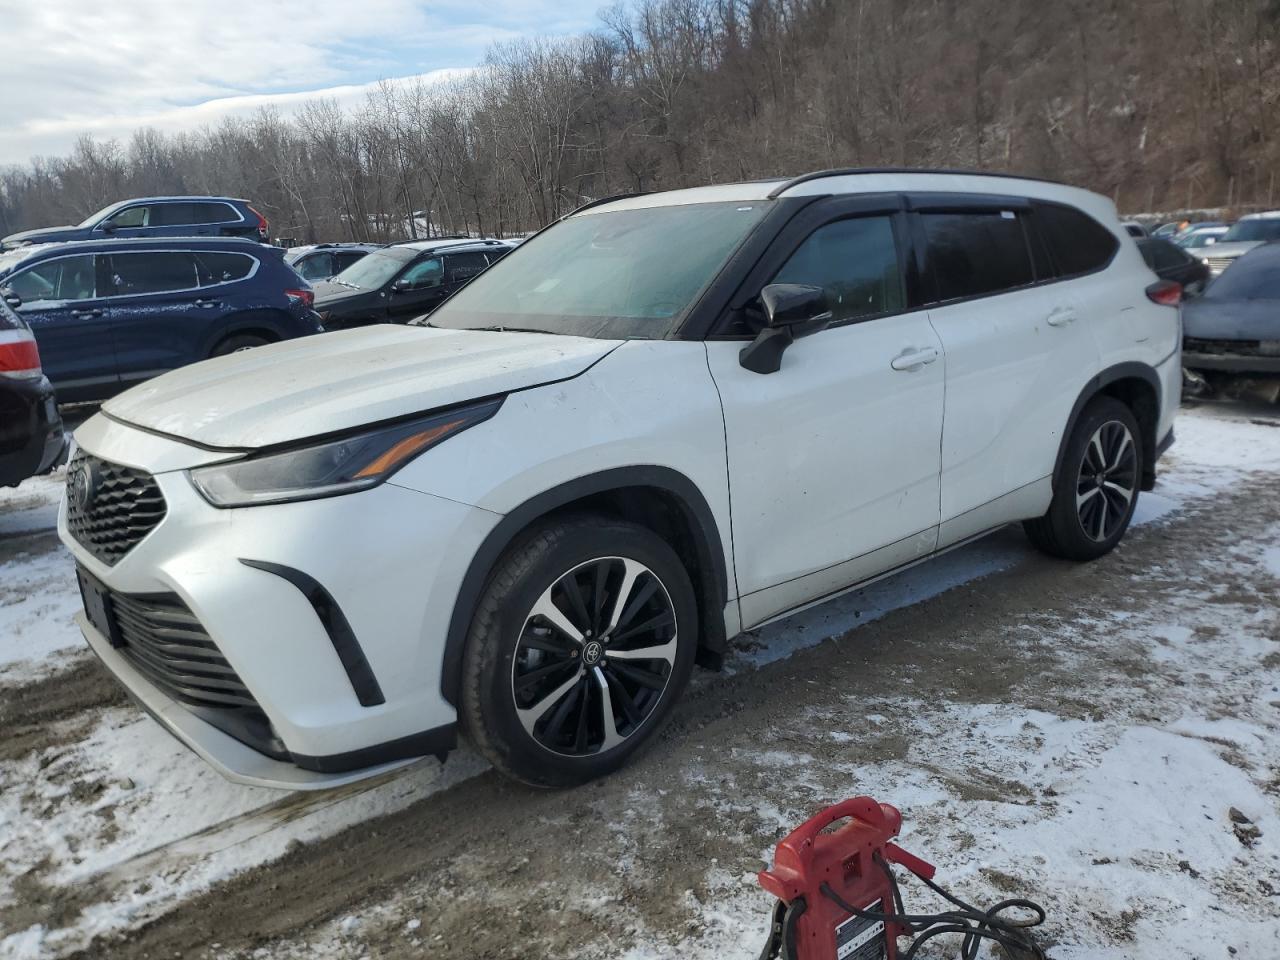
{"points": [[82, 484]]}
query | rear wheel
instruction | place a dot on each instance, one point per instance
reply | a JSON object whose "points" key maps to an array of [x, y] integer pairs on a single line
{"points": [[1096, 489], [242, 341], [581, 644]]}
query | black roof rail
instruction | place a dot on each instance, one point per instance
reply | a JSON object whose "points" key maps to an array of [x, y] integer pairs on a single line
{"points": [[849, 171]]}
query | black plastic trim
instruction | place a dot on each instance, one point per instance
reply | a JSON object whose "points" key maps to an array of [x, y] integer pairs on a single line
{"points": [[437, 742], [1163, 446], [1121, 371], [709, 547], [851, 171], [336, 625]]}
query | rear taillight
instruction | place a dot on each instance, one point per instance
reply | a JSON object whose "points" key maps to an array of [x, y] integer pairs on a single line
{"points": [[263, 231], [19, 355], [1167, 293], [305, 297]]}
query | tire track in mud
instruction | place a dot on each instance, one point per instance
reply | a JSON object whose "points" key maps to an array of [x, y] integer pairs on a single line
{"points": [[38, 716], [493, 864]]}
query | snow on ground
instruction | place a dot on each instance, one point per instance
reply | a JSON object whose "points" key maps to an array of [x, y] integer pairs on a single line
{"points": [[129, 807]]}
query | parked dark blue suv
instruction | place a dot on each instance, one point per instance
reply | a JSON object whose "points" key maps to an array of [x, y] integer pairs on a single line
{"points": [[157, 217], [110, 313]]}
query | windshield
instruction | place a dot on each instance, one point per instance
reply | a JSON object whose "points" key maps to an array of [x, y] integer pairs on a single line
{"points": [[90, 221], [1261, 229], [627, 273], [373, 271], [1202, 238]]}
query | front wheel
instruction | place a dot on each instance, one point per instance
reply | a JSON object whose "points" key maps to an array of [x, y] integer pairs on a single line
{"points": [[580, 646], [1096, 488]]}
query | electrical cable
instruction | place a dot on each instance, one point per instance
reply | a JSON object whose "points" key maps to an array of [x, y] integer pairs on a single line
{"points": [[974, 924]]}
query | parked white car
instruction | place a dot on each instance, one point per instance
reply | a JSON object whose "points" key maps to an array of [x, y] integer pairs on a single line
{"points": [[662, 421]]}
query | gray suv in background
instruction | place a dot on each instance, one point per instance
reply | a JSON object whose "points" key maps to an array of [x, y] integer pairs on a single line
{"points": [[157, 217]]}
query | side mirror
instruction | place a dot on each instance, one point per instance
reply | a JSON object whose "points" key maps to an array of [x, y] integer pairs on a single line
{"points": [[400, 286], [107, 227], [11, 298], [791, 310], [1210, 241]]}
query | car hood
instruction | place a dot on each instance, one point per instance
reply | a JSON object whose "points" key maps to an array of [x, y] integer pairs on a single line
{"points": [[43, 235], [337, 381], [329, 294], [1209, 319], [1237, 249]]}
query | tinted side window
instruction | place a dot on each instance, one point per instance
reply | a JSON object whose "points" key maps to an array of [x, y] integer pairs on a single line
{"points": [[1168, 257], [171, 215], [212, 213], [463, 266], [223, 267], [1080, 244], [135, 273], [345, 260], [67, 278], [855, 261], [972, 254]]}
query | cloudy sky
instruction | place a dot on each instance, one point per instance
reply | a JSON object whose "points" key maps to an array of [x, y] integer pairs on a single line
{"points": [[108, 66]]}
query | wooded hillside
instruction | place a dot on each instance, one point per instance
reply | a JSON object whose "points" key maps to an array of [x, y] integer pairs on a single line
{"points": [[1161, 104]]}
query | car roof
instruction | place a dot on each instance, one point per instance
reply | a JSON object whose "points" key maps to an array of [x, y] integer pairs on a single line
{"points": [[1264, 215], [181, 197], [40, 250], [306, 248], [868, 180]]}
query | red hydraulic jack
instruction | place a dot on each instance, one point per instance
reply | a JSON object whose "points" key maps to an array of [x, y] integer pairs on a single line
{"points": [[838, 898]]}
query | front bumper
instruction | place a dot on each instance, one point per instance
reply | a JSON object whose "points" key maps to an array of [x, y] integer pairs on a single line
{"points": [[390, 559], [1231, 362]]}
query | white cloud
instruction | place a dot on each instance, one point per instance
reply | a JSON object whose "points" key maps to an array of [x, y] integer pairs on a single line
{"points": [[74, 66]]}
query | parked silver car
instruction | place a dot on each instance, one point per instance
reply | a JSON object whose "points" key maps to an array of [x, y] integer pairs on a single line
{"points": [[1245, 234]]}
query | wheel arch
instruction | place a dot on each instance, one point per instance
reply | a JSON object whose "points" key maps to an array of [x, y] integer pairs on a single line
{"points": [[660, 498], [1137, 385], [250, 325]]}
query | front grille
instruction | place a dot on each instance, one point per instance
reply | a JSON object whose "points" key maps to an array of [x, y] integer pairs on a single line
{"points": [[165, 641], [1218, 264], [109, 507], [167, 644], [1193, 345]]}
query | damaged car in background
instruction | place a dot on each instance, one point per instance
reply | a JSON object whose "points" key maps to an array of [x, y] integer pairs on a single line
{"points": [[1234, 328]]}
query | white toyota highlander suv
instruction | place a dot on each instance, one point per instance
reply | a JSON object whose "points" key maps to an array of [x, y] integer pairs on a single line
{"points": [[662, 421]]}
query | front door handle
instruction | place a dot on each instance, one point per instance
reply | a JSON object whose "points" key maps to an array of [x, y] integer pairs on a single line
{"points": [[911, 360], [95, 312], [1061, 317], [206, 303]]}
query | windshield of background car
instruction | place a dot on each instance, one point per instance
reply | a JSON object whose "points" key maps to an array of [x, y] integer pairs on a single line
{"points": [[616, 275], [1246, 230], [90, 221], [373, 271]]}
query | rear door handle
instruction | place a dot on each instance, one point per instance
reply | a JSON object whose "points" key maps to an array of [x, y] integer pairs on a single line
{"points": [[1061, 317], [206, 303], [95, 312], [910, 360]]}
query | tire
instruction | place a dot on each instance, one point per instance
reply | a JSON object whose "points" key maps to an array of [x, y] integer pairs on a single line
{"points": [[1092, 505], [534, 699], [241, 341]]}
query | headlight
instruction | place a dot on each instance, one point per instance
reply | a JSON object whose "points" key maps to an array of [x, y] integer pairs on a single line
{"points": [[344, 465]]}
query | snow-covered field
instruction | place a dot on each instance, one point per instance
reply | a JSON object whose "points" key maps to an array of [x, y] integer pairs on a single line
{"points": [[1108, 802]]}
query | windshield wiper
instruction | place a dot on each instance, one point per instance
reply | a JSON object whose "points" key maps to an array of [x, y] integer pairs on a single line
{"points": [[344, 283], [506, 329]]}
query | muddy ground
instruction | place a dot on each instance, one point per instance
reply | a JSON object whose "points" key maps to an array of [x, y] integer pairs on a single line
{"points": [[973, 710]]}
